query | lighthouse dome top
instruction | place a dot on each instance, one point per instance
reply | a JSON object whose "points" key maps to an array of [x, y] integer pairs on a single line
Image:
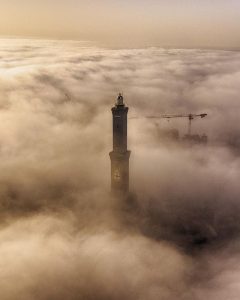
{"points": [[120, 100]]}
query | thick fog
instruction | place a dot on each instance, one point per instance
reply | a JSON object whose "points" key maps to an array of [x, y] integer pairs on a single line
{"points": [[63, 235]]}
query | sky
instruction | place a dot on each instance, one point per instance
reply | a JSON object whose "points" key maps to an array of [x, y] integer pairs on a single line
{"points": [[174, 23]]}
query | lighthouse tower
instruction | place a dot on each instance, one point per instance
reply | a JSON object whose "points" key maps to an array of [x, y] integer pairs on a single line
{"points": [[120, 155]]}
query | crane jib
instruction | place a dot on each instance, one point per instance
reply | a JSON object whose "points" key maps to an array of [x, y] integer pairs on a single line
{"points": [[189, 116]]}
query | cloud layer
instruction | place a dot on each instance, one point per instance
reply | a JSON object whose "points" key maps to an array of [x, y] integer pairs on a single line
{"points": [[62, 234]]}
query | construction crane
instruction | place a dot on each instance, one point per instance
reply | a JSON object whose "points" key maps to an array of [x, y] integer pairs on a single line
{"points": [[189, 116]]}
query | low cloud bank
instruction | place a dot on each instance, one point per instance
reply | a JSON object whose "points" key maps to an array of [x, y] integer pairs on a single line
{"points": [[62, 234]]}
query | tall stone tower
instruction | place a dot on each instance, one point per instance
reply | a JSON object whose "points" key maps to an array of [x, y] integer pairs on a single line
{"points": [[120, 155]]}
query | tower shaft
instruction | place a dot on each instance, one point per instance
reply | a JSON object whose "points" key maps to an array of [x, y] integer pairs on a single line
{"points": [[120, 155]]}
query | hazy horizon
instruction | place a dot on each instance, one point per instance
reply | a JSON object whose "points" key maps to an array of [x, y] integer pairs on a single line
{"points": [[92, 43]]}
